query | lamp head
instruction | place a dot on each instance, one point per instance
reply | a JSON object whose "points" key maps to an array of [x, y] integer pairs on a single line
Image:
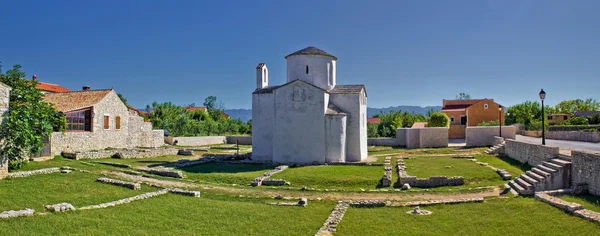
{"points": [[542, 94]]}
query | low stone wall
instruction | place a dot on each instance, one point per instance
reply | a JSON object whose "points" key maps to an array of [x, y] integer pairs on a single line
{"points": [[334, 219], [11, 214], [21, 174], [189, 193], [3, 167], [593, 137], [242, 140], [382, 142], [386, 180], [126, 200], [86, 141], [497, 140], [532, 154], [483, 136], [413, 138], [401, 136], [431, 182], [60, 207], [130, 185], [259, 180], [557, 202], [162, 172], [586, 170], [531, 133], [422, 137], [122, 153], [196, 141], [436, 202]]}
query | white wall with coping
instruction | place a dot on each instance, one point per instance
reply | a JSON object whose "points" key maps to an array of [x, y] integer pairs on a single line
{"points": [[586, 170], [335, 136], [481, 136], [196, 141], [383, 142], [433, 137], [532, 154], [262, 126], [593, 137], [321, 70], [401, 136], [413, 138], [356, 130], [296, 105]]}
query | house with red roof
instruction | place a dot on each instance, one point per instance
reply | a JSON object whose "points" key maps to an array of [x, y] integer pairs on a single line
{"points": [[472, 112], [48, 87]]}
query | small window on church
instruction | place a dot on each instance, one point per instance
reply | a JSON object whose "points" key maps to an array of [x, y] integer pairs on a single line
{"points": [[307, 69]]}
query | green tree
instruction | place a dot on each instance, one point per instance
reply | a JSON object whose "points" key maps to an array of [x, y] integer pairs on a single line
{"points": [[572, 106], [372, 130], [463, 96], [29, 120], [123, 99], [524, 113], [438, 119], [389, 123], [577, 121]]}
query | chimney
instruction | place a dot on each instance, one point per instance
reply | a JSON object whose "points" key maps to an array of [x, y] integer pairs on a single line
{"points": [[34, 77], [86, 88], [262, 76]]}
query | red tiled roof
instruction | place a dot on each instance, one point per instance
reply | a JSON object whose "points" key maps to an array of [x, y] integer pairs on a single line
{"points": [[71, 101], [419, 125], [204, 109], [460, 106], [138, 110], [373, 120], [51, 87]]}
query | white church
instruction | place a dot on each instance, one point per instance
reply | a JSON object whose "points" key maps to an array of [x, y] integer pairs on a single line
{"points": [[310, 119]]}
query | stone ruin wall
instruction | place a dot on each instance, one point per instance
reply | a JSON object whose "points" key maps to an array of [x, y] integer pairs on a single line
{"points": [[532, 154], [586, 171], [431, 182]]}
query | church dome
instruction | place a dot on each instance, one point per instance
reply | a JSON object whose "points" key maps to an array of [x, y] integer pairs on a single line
{"points": [[311, 51]]}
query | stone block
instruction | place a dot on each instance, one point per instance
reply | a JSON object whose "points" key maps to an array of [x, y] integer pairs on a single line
{"points": [[60, 207]]}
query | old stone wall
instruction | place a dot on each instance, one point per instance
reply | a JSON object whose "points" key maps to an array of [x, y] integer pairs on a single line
{"points": [[593, 137], [433, 137], [401, 136], [383, 142], [498, 140], [135, 134], [121, 153], [586, 170], [531, 133], [413, 138], [242, 140], [3, 167], [196, 141], [532, 154], [481, 136], [4, 99], [431, 182]]}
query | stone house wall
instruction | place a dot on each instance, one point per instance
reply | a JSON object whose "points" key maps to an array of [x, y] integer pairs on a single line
{"points": [[532, 154], [3, 167], [4, 99], [99, 138], [586, 170], [593, 137], [481, 136]]}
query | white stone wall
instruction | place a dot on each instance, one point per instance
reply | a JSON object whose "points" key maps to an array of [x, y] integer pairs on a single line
{"points": [[433, 137], [593, 137], [401, 136], [298, 131], [262, 126], [413, 138], [532, 154], [481, 136], [335, 136], [321, 70], [4, 97], [197, 141], [586, 170], [242, 140], [356, 131], [382, 142], [100, 138]]}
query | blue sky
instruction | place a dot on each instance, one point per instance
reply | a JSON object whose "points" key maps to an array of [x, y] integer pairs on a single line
{"points": [[405, 52]]}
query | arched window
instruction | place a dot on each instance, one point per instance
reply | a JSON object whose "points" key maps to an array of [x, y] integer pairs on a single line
{"points": [[307, 69], [265, 75]]}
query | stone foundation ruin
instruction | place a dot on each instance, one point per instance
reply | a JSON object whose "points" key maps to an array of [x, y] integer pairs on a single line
{"points": [[431, 182]]}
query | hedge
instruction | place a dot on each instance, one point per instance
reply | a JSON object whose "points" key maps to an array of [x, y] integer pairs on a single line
{"points": [[573, 127]]}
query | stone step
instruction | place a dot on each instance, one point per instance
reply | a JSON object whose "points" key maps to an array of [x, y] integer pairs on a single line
{"points": [[546, 169], [552, 165], [540, 172], [516, 186], [528, 179], [565, 157], [524, 183], [560, 162], [534, 175]]}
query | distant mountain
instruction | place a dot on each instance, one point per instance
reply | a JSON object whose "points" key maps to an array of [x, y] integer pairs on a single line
{"points": [[246, 114], [410, 109]]}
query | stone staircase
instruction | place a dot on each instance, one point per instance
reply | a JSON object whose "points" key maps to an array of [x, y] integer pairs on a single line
{"points": [[496, 149], [550, 175]]}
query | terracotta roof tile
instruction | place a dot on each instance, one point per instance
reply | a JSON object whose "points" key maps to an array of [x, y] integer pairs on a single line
{"points": [[311, 51], [71, 101], [460, 106], [419, 125], [51, 87], [373, 120], [347, 89]]}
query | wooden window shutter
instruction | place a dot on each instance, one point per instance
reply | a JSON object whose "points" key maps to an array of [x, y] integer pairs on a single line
{"points": [[118, 122], [106, 121]]}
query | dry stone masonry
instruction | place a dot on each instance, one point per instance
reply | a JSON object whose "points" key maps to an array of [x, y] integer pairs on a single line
{"points": [[189, 193], [259, 180], [21, 174], [127, 153], [586, 170], [131, 185], [11, 213], [386, 180], [569, 207], [368, 203], [334, 219], [126, 200], [162, 172], [3, 167], [60, 207], [436, 202], [115, 164], [431, 182]]}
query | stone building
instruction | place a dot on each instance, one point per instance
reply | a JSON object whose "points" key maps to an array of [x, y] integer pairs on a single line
{"points": [[310, 119], [471, 112], [98, 119], [4, 98]]}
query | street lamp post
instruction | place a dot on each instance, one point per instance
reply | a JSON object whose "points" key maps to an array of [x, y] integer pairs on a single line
{"points": [[500, 119], [542, 97]]}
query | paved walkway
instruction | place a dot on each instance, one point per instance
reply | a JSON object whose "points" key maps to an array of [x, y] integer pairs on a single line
{"points": [[563, 144]]}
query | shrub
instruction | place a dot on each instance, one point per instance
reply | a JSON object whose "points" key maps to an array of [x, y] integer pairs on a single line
{"points": [[536, 125], [577, 121], [595, 119], [16, 164], [489, 123], [438, 119], [587, 128]]}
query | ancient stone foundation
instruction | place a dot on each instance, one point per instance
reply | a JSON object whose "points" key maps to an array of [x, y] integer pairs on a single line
{"points": [[3, 167], [11, 214], [115, 164], [122, 153], [259, 180], [386, 180], [21, 174], [334, 219], [131, 185], [60, 207], [431, 182], [183, 192], [126, 200], [162, 172]]}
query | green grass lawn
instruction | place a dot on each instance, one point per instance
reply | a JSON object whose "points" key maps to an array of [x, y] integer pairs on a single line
{"points": [[77, 188], [475, 175], [225, 173], [514, 167], [512, 216], [172, 214], [333, 177], [589, 202]]}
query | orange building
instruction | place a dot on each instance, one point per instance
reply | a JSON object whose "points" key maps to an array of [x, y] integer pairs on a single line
{"points": [[471, 112]]}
